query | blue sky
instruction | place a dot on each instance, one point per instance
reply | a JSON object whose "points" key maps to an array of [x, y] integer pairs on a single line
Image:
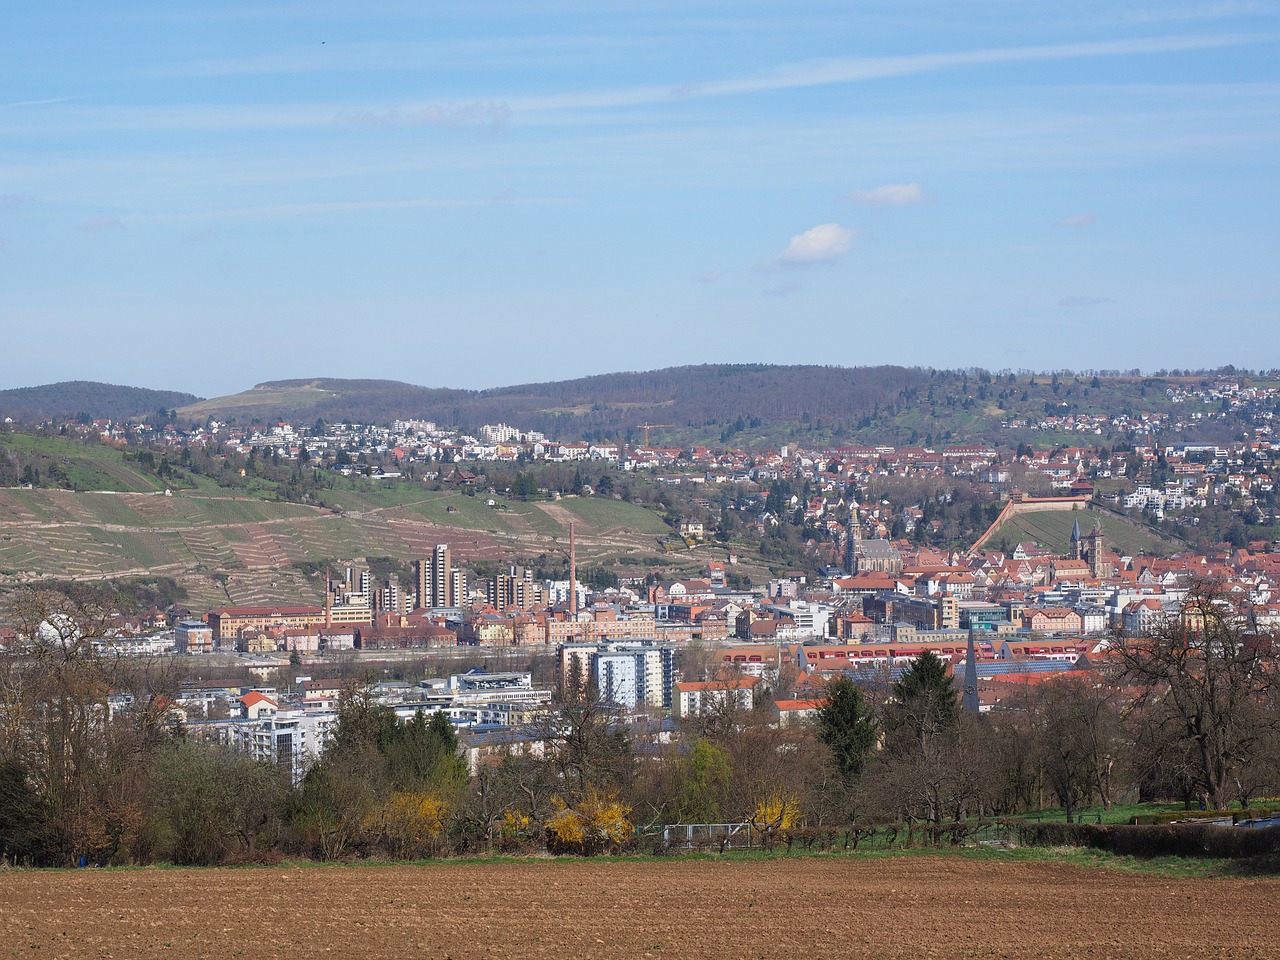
{"points": [[204, 196]]}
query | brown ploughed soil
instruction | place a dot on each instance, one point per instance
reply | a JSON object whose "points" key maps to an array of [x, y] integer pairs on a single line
{"points": [[812, 907]]}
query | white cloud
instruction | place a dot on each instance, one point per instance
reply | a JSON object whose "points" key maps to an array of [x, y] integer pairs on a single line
{"points": [[822, 244], [890, 195], [1079, 220]]}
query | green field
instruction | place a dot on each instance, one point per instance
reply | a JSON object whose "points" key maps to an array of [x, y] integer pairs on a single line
{"points": [[86, 466], [1052, 530], [600, 514], [278, 398]]}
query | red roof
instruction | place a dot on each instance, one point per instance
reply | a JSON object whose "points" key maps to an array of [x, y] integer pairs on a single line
{"points": [[739, 683], [799, 704]]}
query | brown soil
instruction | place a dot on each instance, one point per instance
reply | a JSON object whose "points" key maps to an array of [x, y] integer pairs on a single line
{"points": [[804, 908]]}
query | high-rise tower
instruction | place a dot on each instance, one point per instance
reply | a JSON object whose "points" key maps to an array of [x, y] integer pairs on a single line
{"points": [[439, 584]]}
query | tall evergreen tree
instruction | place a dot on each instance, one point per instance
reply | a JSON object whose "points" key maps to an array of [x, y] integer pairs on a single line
{"points": [[847, 726]]}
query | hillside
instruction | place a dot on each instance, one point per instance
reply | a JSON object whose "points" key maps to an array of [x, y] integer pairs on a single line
{"points": [[755, 406], [751, 406], [223, 548], [609, 405], [71, 463], [1052, 530], [75, 398]]}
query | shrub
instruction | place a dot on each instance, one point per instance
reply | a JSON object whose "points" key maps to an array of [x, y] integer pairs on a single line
{"points": [[1185, 815], [407, 824], [599, 823], [1155, 840]]}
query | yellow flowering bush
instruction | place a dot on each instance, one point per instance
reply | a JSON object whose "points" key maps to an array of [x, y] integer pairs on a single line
{"points": [[599, 823]]}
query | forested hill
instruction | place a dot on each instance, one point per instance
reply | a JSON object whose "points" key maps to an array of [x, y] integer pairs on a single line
{"points": [[746, 405], [606, 405], [74, 398]]}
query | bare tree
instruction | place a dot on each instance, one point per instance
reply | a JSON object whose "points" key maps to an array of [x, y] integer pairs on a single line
{"points": [[1208, 677], [1075, 737], [80, 752]]}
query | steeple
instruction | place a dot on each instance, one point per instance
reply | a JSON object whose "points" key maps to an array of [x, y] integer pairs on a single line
{"points": [[970, 700], [1077, 545]]}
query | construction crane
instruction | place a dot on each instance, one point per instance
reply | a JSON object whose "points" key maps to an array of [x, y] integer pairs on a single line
{"points": [[646, 425]]}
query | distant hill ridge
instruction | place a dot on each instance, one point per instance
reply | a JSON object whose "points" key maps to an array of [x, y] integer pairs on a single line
{"points": [[73, 398], [603, 404], [754, 406]]}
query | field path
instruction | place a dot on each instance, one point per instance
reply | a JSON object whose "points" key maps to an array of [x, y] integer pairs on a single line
{"points": [[813, 907]]}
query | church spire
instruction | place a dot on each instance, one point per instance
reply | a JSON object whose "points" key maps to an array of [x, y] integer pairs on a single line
{"points": [[970, 698]]}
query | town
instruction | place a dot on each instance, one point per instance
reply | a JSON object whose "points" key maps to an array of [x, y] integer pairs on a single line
{"points": [[1014, 578]]}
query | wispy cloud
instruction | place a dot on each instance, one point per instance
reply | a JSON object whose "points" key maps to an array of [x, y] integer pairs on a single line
{"points": [[498, 110], [1165, 12], [453, 54], [853, 69], [100, 224], [711, 276], [784, 289], [843, 70], [890, 195], [322, 208], [35, 103], [12, 201], [821, 244], [449, 116], [1079, 220], [1076, 300]]}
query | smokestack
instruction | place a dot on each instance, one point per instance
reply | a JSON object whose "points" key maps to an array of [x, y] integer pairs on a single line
{"points": [[328, 601], [573, 575]]}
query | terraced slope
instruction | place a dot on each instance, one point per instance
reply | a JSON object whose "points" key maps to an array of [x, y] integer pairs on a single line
{"points": [[224, 548]]}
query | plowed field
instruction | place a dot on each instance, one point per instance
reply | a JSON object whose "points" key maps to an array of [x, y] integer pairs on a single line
{"points": [[804, 908]]}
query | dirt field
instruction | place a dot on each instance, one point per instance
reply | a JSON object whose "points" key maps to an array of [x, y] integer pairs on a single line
{"points": [[804, 908]]}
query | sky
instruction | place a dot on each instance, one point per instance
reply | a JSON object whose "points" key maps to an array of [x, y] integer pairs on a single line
{"points": [[203, 196]]}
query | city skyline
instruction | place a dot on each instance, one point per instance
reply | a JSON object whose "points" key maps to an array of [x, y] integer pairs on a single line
{"points": [[221, 197]]}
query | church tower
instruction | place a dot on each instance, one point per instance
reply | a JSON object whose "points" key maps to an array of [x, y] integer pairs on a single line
{"points": [[853, 540], [1096, 542]]}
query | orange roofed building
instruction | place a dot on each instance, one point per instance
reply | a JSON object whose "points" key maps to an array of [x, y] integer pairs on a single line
{"points": [[697, 697]]}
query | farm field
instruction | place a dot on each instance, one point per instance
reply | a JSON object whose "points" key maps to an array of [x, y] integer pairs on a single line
{"points": [[944, 906]]}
